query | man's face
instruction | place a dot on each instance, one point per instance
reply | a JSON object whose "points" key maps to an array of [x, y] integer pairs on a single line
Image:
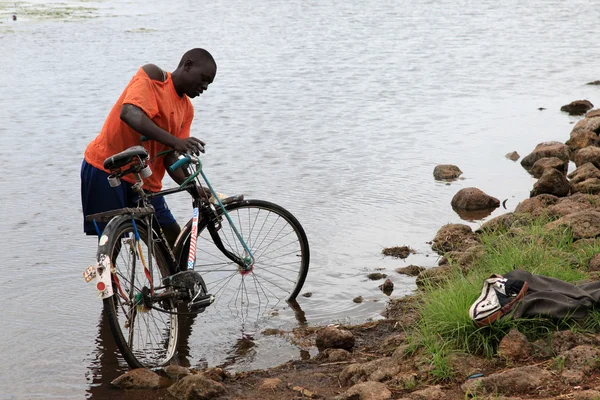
{"points": [[198, 77]]}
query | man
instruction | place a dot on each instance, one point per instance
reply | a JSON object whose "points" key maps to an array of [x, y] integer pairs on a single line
{"points": [[155, 104]]}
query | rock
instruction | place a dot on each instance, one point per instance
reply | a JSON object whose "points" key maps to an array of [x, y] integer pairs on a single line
{"points": [[358, 299], [337, 355], [569, 205], [464, 259], [433, 276], [307, 294], [366, 391], [536, 206], [453, 237], [583, 224], [513, 156], [594, 264], [577, 107], [551, 182], [504, 222], [544, 150], [411, 270], [591, 186], [446, 172], [334, 338], [139, 378], [563, 341], [176, 371], [583, 172], [375, 276], [593, 83], [582, 358], [470, 199], [387, 287], [514, 381], [591, 122], [582, 138], [398, 251], [590, 154], [219, 374], [196, 387], [429, 393], [270, 384], [391, 343], [514, 346], [545, 163]]}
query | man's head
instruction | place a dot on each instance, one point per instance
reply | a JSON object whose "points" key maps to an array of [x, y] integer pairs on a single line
{"points": [[196, 70]]}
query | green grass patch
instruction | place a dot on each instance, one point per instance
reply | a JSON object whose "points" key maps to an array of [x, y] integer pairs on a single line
{"points": [[445, 325]]}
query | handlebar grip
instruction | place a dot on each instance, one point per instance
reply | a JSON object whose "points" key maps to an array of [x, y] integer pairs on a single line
{"points": [[182, 162], [144, 138]]}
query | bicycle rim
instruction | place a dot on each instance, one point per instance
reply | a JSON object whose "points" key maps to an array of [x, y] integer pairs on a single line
{"points": [[281, 253], [146, 337]]}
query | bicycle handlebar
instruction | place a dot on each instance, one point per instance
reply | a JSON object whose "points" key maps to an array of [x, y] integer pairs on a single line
{"points": [[182, 162]]}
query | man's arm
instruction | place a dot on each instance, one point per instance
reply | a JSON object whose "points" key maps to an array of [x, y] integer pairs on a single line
{"points": [[139, 121]]}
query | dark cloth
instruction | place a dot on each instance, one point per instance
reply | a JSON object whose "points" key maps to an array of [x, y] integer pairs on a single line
{"points": [[98, 196], [552, 298]]}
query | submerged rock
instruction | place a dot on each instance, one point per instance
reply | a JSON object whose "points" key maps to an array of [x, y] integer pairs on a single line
{"points": [[577, 107], [445, 172], [387, 287]]}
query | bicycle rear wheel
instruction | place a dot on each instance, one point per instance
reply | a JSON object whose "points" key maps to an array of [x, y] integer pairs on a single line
{"points": [[146, 337], [281, 254]]}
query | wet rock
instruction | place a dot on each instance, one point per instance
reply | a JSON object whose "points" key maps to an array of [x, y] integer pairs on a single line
{"points": [[358, 299], [139, 378], [453, 237], [444, 172], [594, 264], [590, 154], [545, 163], [544, 150], [470, 199], [513, 156], [429, 393], [536, 206], [196, 387], [514, 381], [366, 391], [581, 139], [577, 107], [176, 371], [411, 270], [334, 338], [270, 384], [398, 251], [514, 346], [433, 277], [551, 182], [583, 224], [387, 287], [375, 276]]}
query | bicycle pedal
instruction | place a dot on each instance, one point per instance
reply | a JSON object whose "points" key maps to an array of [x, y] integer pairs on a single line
{"points": [[201, 302]]}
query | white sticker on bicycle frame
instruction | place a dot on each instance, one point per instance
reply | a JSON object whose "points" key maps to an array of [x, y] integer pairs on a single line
{"points": [[192, 255], [103, 281]]}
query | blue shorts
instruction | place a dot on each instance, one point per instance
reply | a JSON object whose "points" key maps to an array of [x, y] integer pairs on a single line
{"points": [[98, 196]]}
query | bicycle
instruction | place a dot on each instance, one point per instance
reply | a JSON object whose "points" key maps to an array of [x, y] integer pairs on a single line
{"points": [[146, 285]]}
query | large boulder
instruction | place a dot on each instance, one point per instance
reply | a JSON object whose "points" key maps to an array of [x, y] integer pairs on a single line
{"points": [[545, 163], [445, 172], [536, 206], [584, 224], [544, 150], [589, 154], [471, 199], [551, 182], [453, 237], [577, 107], [583, 172], [581, 139]]}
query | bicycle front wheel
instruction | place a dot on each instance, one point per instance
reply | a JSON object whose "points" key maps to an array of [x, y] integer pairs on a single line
{"points": [[145, 336], [281, 257]]}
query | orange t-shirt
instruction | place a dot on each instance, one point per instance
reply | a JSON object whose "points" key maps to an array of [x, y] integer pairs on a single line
{"points": [[164, 107]]}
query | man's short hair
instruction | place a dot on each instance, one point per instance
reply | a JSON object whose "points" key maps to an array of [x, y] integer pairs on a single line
{"points": [[197, 56]]}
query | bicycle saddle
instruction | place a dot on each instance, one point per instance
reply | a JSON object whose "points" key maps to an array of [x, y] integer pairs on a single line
{"points": [[125, 157]]}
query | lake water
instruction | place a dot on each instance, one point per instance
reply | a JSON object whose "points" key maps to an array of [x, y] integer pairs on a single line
{"points": [[337, 110]]}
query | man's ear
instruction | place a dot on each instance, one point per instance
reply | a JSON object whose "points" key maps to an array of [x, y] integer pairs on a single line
{"points": [[187, 65]]}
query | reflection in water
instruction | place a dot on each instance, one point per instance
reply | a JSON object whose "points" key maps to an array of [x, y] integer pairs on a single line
{"points": [[107, 364], [474, 215]]}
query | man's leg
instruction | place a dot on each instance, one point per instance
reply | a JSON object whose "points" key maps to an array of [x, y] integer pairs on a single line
{"points": [[166, 220]]}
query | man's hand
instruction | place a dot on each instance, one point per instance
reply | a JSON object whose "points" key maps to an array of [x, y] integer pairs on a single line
{"points": [[189, 145]]}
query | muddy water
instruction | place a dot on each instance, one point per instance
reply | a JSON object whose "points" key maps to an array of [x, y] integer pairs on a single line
{"points": [[337, 110]]}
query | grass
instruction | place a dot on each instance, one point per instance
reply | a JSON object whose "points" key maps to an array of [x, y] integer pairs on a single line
{"points": [[445, 325]]}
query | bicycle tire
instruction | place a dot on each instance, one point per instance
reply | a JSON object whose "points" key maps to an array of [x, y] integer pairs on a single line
{"points": [[149, 339], [269, 283]]}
